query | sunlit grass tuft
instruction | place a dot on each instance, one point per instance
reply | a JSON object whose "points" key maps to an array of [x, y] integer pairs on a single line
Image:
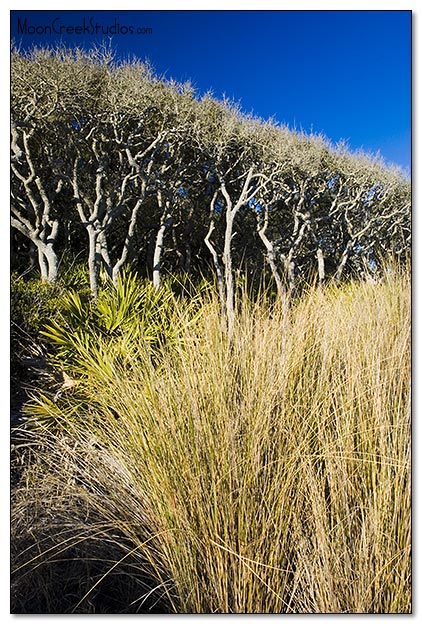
{"points": [[268, 476]]}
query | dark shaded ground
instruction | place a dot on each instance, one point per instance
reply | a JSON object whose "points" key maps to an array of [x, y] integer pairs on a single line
{"points": [[29, 376], [57, 586]]}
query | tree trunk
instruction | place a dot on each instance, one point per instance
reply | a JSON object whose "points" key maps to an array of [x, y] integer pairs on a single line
{"points": [[43, 264], [343, 260], [48, 262], [156, 262], [231, 212], [165, 222], [103, 250], [321, 265], [44, 243], [228, 272], [94, 257], [270, 256], [158, 251], [53, 264], [219, 273]]}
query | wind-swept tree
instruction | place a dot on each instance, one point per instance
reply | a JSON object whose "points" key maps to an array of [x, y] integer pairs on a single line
{"points": [[118, 153], [374, 205], [123, 166], [39, 125], [238, 178]]}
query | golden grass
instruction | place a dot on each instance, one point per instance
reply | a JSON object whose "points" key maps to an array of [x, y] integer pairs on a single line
{"points": [[265, 477]]}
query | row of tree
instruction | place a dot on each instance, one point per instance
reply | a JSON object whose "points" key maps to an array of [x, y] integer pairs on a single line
{"points": [[112, 164]]}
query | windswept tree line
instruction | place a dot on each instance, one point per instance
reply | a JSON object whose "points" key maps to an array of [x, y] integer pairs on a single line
{"points": [[115, 166]]}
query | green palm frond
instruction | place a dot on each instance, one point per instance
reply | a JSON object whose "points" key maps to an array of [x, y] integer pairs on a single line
{"points": [[128, 320]]}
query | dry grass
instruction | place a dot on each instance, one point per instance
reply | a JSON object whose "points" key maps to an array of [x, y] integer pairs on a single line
{"points": [[271, 476]]}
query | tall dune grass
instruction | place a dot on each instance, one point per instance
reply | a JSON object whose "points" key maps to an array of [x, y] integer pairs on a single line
{"points": [[268, 476]]}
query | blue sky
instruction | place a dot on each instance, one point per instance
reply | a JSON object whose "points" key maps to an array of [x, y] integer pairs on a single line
{"points": [[344, 73]]}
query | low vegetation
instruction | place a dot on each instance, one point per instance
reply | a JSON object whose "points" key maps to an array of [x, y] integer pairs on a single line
{"points": [[183, 472]]}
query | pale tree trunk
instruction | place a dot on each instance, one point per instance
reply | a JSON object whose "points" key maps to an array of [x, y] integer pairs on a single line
{"points": [[214, 254], [97, 244], [165, 223], [219, 273], [300, 224], [343, 260], [127, 246], [94, 258], [47, 258], [48, 263], [156, 261], [226, 282], [53, 265], [228, 271], [43, 264], [270, 255], [49, 251], [231, 212], [298, 234], [103, 251], [321, 265], [32, 210]]}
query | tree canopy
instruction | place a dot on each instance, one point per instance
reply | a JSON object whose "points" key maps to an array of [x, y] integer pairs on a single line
{"points": [[117, 166]]}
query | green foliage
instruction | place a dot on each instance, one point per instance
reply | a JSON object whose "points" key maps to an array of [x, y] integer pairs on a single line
{"points": [[74, 276], [127, 318], [33, 304]]}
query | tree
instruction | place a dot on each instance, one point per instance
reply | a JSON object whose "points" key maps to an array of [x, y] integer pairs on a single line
{"points": [[114, 164], [238, 179], [38, 195]]}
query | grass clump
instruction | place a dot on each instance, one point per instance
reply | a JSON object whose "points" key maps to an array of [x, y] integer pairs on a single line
{"points": [[271, 475], [32, 304]]}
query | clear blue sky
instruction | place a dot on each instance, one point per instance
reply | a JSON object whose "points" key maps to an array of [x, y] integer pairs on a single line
{"points": [[344, 73]]}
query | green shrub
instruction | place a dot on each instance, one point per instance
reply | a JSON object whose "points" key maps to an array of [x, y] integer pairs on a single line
{"points": [[125, 317], [33, 304], [75, 276]]}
